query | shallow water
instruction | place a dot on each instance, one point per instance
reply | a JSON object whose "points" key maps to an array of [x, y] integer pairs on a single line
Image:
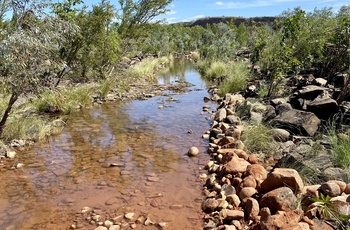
{"points": [[146, 143]]}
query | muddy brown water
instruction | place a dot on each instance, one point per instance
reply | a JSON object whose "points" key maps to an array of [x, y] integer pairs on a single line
{"points": [[145, 141]]}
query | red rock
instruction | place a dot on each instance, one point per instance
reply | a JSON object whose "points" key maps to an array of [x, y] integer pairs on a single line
{"points": [[341, 184], [248, 181], [281, 220], [347, 189], [251, 210], [236, 165], [281, 177], [330, 188], [257, 171], [230, 215], [246, 193], [253, 159], [280, 199]]}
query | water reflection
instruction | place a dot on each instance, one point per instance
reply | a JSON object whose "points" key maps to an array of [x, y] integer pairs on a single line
{"points": [[105, 151]]}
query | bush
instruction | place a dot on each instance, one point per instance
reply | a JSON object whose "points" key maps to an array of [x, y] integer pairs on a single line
{"points": [[340, 145], [257, 138], [28, 127], [237, 78], [216, 70], [147, 68]]}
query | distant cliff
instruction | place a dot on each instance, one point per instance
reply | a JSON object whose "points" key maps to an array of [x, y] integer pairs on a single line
{"points": [[238, 20]]}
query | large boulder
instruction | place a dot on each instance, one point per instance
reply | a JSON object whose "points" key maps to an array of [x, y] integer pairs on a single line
{"points": [[297, 122], [323, 108], [280, 199], [281, 177]]}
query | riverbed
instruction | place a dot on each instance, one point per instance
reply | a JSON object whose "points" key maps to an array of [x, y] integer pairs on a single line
{"points": [[120, 157]]}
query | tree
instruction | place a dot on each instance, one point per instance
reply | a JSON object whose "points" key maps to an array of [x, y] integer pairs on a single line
{"points": [[30, 55], [134, 17]]}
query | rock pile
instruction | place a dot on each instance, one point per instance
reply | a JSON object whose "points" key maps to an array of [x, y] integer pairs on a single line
{"points": [[241, 194]]}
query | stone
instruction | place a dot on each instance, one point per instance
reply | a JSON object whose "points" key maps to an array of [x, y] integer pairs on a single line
{"points": [[320, 81], [347, 189], [233, 120], [335, 174], [251, 209], [101, 228], [278, 101], [236, 165], [233, 200], [11, 154], [129, 215], [193, 151], [280, 199], [108, 223], [341, 205], [209, 205], [310, 92], [229, 215], [323, 108], [297, 122], [281, 108], [280, 135], [280, 220], [341, 184], [330, 188], [253, 159], [304, 226], [228, 189], [257, 171], [220, 115], [246, 192], [114, 227], [280, 177], [248, 181]]}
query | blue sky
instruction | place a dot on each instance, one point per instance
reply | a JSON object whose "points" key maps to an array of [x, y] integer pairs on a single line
{"points": [[189, 10]]}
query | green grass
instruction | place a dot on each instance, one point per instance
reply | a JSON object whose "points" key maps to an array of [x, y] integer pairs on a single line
{"points": [[66, 100], [257, 138], [341, 149], [216, 70], [148, 68], [237, 78], [30, 128]]}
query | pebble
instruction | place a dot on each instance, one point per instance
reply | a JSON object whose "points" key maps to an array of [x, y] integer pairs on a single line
{"points": [[129, 215], [153, 179], [193, 151]]}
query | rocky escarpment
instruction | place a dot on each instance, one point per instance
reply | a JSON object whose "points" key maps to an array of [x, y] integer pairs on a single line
{"points": [[243, 192]]}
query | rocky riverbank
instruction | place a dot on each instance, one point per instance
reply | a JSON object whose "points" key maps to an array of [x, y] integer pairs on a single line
{"points": [[251, 191]]}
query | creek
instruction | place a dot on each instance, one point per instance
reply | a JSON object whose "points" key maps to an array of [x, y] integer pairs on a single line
{"points": [[146, 142]]}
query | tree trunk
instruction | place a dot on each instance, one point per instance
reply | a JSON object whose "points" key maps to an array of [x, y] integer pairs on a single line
{"points": [[13, 99]]}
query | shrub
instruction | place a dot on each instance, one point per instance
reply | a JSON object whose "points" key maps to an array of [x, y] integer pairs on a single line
{"points": [[237, 78], [28, 127], [257, 138], [341, 149], [216, 70]]}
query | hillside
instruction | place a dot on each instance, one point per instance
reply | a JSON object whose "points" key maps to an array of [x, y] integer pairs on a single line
{"points": [[238, 20]]}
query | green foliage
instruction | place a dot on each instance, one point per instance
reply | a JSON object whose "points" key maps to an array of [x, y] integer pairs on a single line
{"points": [[27, 127], [257, 138], [216, 70], [66, 100], [237, 78], [341, 149], [147, 68]]}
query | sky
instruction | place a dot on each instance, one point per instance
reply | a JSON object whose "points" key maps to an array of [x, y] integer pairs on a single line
{"points": [[189, 10]]}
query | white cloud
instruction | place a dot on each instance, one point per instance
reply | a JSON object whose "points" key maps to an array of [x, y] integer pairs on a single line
{"points": [[219, 3], [194, 18]]}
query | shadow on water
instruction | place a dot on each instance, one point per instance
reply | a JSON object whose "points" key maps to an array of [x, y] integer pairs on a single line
{"points": [[113, 150]]}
